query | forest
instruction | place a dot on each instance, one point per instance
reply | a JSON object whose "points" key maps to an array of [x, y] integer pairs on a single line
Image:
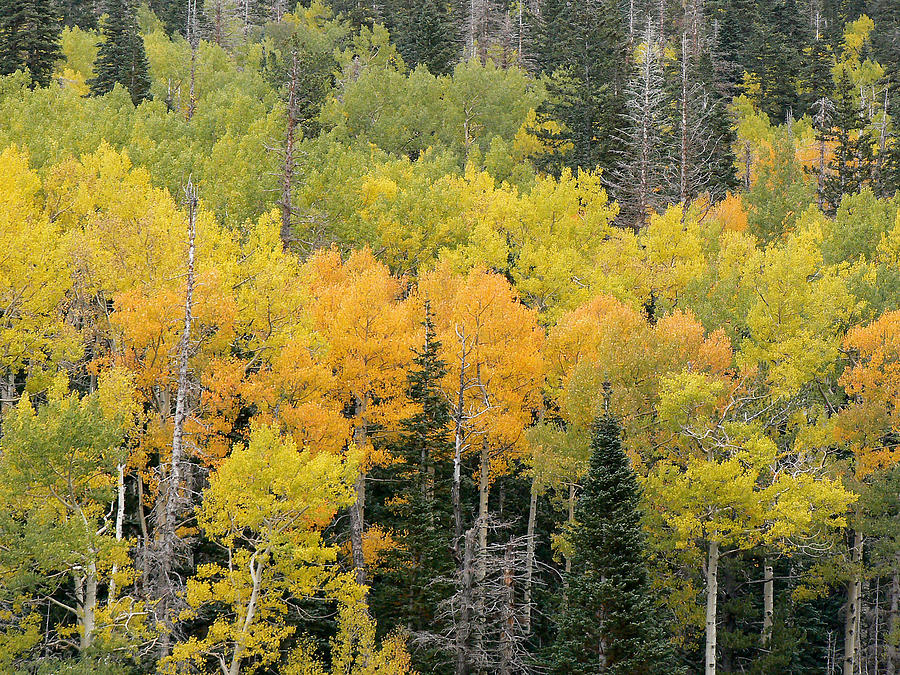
{"points": [[450, 336]]}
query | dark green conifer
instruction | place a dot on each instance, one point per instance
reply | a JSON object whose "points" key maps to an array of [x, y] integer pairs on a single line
{"points": [[29, 38], [425, 33], [583, 47], [121, 58], [609, 623], [419, 569], [852, 162], [775, 58]]}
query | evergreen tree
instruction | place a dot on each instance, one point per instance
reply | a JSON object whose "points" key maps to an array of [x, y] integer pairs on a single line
{"points": [[121, 58], [815, 77], [172, 13], [81, 13], [775, 58], [609, 623], [851, 165], [29, 38], [583, 47], [419, 569], [425, 32]]}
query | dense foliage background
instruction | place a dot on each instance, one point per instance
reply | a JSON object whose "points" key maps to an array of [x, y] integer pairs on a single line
{"points": [[453, 337]]}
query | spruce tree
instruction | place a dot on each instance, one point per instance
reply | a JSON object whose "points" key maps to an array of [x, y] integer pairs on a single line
{"points": [[419, 570], [609, 623], [424, 32], [583, 47], [121, 58], [29, 38], [775, 58], [852, 163]]}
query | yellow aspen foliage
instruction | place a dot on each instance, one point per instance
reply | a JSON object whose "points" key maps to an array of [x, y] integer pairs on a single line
{"points": [[798, 311], [32, 327], [266, 504], [354, 650], [492, 346]]}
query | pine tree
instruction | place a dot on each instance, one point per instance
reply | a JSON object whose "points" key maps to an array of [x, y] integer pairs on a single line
{"points": [[583, 47], [121, 58], [29, 38], [419, 570], [609, 623]]}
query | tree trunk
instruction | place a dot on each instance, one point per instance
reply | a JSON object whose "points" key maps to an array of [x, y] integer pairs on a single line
{"points": [[509, 613], [712, 592], [768, 600], [459, 440], [358, 510], [87, 597], [894, 620], [357, 527], [167, 537], [287, 176], [120, 519], [463, 627], [851, 617], [256, 570], [683, 161], [191, 31], [529, 555], [571, 521], [483, 493]]}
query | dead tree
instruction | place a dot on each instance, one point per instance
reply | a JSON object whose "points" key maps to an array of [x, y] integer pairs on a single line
{"points": [[639, 181], [174, 499], [289, 163], [482, 627]]}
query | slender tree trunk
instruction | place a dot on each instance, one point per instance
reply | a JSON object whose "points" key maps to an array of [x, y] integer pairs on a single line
{"points": [[120, 520], [87, 600], [712, 592], [894, 620], [529, 555], [851, 617], [256, 570], [459, 439], [820, 183], [768, 600], [9, 392], [463, 628], [167, 537], [287, 176], [683, 161], [357, 511], [509, 611], [483, 493], [571, 521]]}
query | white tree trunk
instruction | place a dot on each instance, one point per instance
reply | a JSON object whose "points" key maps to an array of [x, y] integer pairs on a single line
{"points": [[120, 519], [256, 570], [851, 617], [712, 592], [88, 608], [768, 600], [529, 555], [894, 619], [168, 537]]}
